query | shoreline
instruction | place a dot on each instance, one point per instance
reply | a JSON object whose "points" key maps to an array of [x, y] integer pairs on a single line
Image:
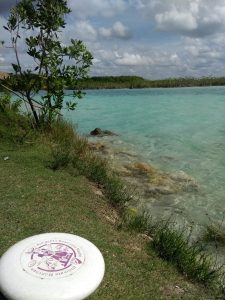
{"points": [[57, 173], [155, 191]]}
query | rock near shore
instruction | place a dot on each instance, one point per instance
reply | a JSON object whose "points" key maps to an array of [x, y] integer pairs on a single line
{"points": [[100, 132]]}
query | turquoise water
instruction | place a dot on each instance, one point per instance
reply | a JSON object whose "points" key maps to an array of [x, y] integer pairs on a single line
{"points": [[173, 129]]}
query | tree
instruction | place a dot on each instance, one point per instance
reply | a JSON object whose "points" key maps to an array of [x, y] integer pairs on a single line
{"points": [[55, 65]]}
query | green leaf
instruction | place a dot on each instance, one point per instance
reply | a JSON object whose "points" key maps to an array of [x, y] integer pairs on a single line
{"points": [[16, 68]]}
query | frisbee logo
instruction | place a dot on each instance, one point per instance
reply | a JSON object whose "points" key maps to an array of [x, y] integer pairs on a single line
{"points": [[51, 259]]}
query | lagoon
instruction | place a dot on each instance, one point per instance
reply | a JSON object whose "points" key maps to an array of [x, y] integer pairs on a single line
{"points": [[174, 129]]}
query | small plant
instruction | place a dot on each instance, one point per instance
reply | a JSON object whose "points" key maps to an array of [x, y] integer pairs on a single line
{"points": [[215, 232], [62, 136], [14, 126], [136, 221], [60, 158], [173, 245], [7, 105], [69, 148], [96, 169], [117, 191]]}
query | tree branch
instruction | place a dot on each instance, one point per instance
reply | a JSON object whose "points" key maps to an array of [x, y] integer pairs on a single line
{"points": [[39, 106]]}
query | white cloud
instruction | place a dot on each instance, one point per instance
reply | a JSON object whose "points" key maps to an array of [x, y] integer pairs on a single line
{"points": [[106, 8], [105, 32], [120, 30], [176, 21], [131, 60], [188, 17], [117, 30], [196, 48], [83, 30], [189, 57]]}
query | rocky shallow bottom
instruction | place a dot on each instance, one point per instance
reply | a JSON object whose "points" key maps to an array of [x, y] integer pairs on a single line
{"points": [[157, 192], [149, 184]]}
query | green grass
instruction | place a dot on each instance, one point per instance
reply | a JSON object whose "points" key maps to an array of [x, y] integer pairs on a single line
{"points": [[71, 150], [215, 232], [35, 198], [173, 245]]}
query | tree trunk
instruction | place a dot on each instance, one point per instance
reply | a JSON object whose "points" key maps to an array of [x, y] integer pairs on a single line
{"points": [[33, 111]]}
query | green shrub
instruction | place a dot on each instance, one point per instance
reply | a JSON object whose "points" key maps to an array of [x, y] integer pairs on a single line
{"points": [[174, 245], [117, 191], [14, 126], [62, 139], [7, 105], [69, 148], [60, 158], [215, 232], [139, 222]]}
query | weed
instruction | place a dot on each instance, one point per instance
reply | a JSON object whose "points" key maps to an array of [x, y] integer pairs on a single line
{"points": [[7, 105], [69, 148], [215, 232], [14, 126], [117, 191], [60, 158], [62, 138], [133, 220], [173, 245]]}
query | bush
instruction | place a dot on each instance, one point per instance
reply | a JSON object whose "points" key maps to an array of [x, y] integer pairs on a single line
{"points": [[62, 139], [173, 245], [117, 191], [7, 105], [215, 232], [14, 126], [136, 221], [69, 148]]}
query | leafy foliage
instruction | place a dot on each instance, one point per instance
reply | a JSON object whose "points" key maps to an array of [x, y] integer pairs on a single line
{"points": [[14, 127], [55, 65], [6, 104], [174, 246]]}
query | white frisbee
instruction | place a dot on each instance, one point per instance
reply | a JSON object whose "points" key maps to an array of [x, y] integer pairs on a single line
{"points": [[51, 266]]}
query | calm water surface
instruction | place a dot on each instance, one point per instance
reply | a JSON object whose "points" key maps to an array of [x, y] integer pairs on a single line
{"points": [[173, 129]]}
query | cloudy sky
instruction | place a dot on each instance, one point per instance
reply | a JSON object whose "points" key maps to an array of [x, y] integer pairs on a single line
{"points": [[150, 38]]}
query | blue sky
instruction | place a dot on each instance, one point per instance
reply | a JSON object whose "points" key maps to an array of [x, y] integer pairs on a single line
{"points": [[150, 38]]}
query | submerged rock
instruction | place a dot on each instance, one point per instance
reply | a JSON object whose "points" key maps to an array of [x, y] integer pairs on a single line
{"points": [[165, 190], [102, 149], [97, 146], [155, 182], [149, 182], [140, 168], [100, 132], [188, 183]]}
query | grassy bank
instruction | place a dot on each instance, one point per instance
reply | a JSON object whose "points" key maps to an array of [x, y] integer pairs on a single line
{"points": [[50, 181]]}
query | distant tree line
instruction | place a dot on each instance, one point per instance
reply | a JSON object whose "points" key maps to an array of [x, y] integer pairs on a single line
{"points": [[120, 82], [115, 82]]}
